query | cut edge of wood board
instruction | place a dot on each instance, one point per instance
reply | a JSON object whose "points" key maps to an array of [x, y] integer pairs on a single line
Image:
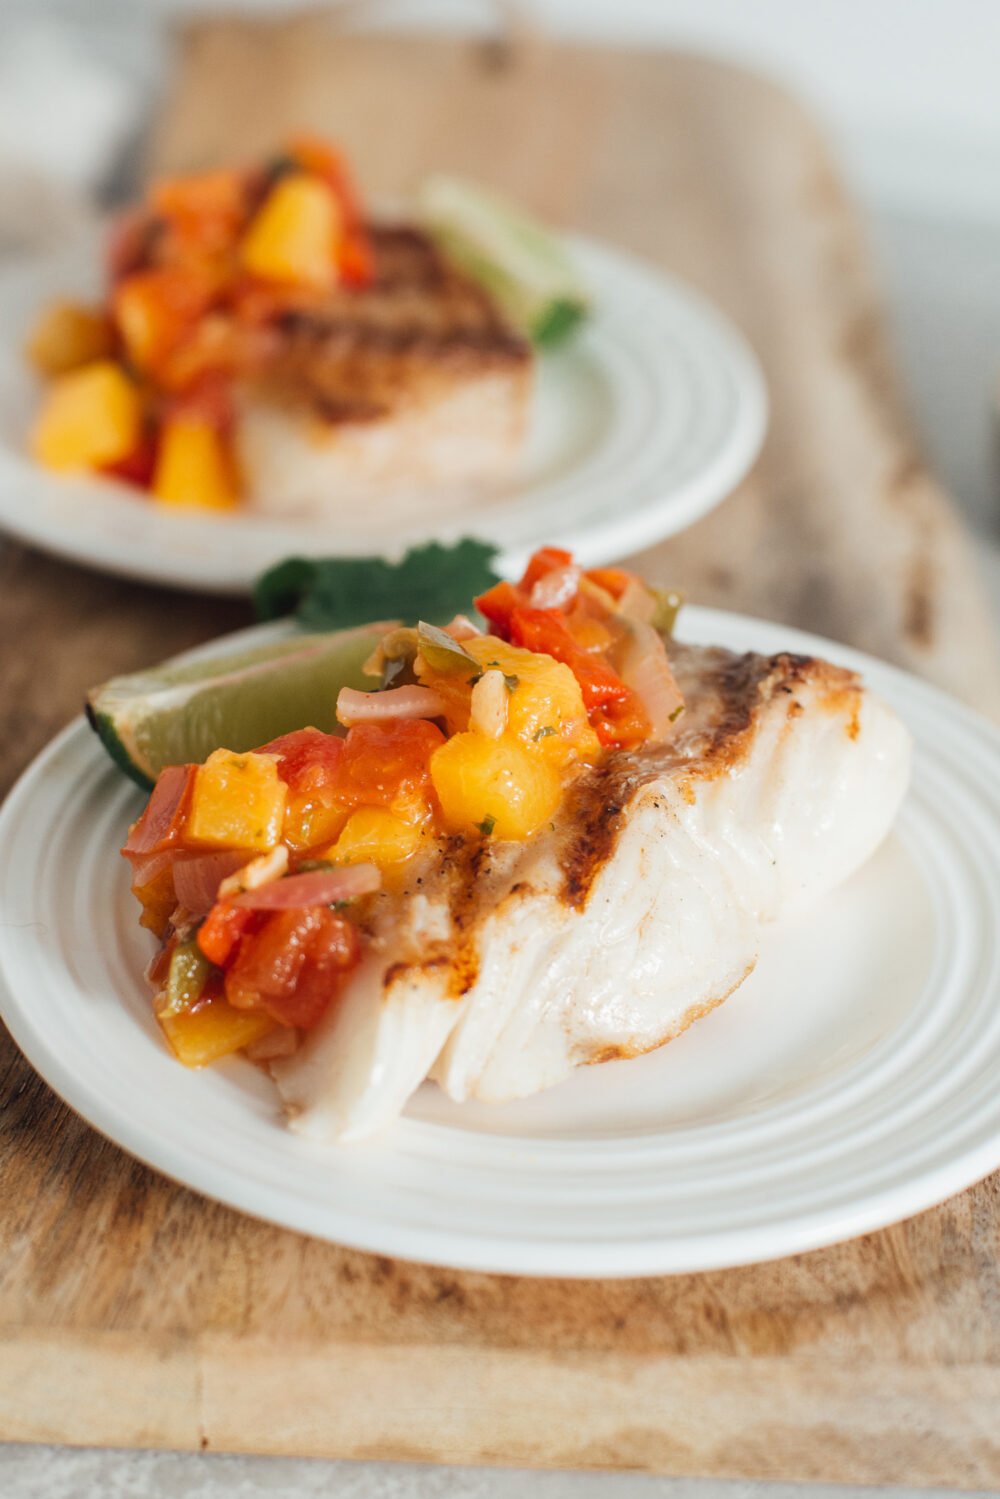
{"points": [[797, 1419]]}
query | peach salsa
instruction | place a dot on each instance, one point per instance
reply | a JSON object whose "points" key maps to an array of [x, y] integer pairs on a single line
{"points": [[257, 870], [264, 342], [200, 275]]}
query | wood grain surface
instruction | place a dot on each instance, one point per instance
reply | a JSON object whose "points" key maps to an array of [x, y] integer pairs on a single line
{"points": [[134, 1313]]}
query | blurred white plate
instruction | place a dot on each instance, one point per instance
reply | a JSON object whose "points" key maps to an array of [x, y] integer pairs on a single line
{"points": [[643, 422], [851, 1081]]}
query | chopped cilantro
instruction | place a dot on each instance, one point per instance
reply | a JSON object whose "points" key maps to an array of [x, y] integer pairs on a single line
{"points": [[511, 682], [332, 593], [543, 732], [486, 826]]}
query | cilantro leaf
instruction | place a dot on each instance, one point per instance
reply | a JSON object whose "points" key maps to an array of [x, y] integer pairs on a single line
{"points": [[431, 582]]}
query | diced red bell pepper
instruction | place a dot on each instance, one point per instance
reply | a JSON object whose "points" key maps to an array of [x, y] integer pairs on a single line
{"points": [[545, 560], [497, 605], [204, 213], [157, 310], [546, 630], [613, 580], [220, 933], [623, 724]]}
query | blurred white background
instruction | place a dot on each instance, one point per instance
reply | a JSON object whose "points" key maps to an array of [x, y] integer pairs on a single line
{"points": [[907, 89]]}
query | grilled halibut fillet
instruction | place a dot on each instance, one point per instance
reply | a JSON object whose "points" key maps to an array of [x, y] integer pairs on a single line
{"points": [[503, 966], [414, 381]]}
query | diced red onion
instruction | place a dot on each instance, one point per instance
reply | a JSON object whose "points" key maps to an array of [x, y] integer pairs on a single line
{"points": [[556, 588], [197, 879], [319, 887], [160, 809], [395, 702], [643, 666], [146, 867], [283, 1041], [637, 602]]}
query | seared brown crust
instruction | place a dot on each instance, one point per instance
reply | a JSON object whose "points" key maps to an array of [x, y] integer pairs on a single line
{"points": [[364, 353], [725, 695]]}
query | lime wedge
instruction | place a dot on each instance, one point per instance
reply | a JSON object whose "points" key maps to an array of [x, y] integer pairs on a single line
{"points": [[180, 712], [523, 264]]}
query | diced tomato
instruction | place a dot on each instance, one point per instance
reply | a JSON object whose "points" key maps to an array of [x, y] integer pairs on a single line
{"points": [[498, 604], [292, 967], [219, 934], [622, 724], [546, 630], [545, 560], [333, 952], [136, 467], [388, 765], [613, 580], [308, 759]]}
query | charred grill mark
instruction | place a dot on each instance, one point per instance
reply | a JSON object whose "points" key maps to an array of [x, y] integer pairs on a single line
{"points": [[353, 357], [459, 966], [334, 409], [335, 338], [732, 690], [728, 696]]}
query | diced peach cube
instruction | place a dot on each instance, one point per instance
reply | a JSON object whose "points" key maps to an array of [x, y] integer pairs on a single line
{"points": [[90, 417], [295, 234], [213, 1030], [193, 467], [237, 801]]}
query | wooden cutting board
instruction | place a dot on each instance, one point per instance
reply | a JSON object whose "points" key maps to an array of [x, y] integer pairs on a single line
{"points": [[133, 1313]]}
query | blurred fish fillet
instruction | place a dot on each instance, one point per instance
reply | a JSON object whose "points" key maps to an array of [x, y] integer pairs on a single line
{"points": [[504, 966], [412, 384]]}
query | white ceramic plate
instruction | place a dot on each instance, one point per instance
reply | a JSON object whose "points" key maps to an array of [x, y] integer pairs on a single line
{"points": [[642, 423], [851, 1081]]}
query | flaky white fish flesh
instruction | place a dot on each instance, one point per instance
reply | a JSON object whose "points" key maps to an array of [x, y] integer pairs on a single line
{"points": [[504, 966]]}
